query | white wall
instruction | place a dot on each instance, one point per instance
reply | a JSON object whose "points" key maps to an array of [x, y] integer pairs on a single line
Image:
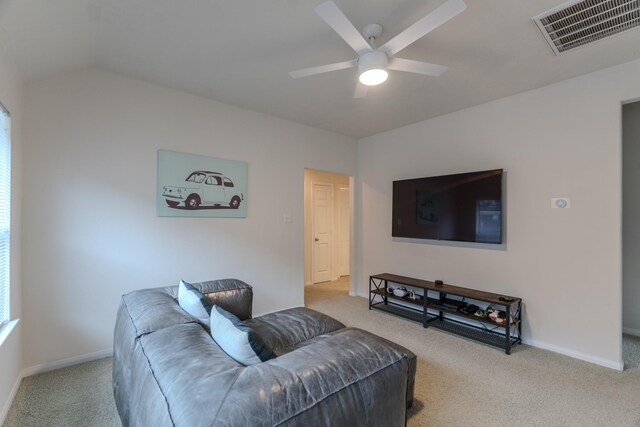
{"points": [[10, 343], [90, 229], [560, 140], [630, 215]]}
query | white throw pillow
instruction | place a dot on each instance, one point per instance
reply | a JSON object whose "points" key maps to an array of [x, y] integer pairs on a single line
{"points": [[194, 302], [237, 339]]}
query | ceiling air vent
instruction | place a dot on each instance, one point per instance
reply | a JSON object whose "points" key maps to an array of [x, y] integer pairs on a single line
{"points": [[578, 23]]}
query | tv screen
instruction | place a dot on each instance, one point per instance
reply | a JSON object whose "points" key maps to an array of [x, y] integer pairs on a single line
{"points": [[465, 207]]}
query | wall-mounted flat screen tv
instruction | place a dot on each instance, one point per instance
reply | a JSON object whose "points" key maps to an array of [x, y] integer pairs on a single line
{"points": [[465, 207]]}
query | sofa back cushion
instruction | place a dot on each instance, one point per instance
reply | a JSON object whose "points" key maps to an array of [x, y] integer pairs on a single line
{"points": [[284, 330], [237, 339]]}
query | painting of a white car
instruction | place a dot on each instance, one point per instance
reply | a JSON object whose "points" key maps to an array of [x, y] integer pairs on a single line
{"points": [[203, 189]]}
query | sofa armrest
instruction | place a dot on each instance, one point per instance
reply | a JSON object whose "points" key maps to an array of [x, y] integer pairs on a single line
{"points": [[350, 378], [233, 295]]}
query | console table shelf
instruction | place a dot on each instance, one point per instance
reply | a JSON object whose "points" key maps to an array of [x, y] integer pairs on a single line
{"points": [[446, 316]]}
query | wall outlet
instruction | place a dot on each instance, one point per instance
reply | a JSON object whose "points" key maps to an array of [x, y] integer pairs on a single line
{"points": [[286, 218]]}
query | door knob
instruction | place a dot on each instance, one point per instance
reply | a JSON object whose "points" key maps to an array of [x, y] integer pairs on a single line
{"points": [[316, 239]]}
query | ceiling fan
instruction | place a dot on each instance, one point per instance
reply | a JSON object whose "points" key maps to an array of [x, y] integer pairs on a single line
{"points": [[373, 62]]}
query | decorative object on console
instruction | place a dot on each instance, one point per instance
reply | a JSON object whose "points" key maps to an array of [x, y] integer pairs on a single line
{"points": [[498, 316], [480, 313], [468, 308], [400, 292], [200, 186]]}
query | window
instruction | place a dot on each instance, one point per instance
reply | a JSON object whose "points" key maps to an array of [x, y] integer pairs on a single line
{"points": [[213, 180], [227, 182], [5, 213], [196, 177]]}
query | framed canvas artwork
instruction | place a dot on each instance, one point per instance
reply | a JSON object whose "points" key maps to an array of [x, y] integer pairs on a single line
{"points": [[191, 185]]}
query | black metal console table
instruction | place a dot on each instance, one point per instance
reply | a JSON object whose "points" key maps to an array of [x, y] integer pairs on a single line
{"points": [[442, 312]]}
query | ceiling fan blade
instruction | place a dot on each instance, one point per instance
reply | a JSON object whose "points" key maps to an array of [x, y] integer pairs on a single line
{"points": [[341, 25], [323, 69], [361, 90], [428, 23], [411, 66]]}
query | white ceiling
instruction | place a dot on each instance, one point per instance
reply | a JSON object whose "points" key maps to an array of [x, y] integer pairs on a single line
{"points": [[239, 52]]}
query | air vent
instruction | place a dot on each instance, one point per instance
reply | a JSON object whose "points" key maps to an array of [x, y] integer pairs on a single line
{"points": [[579, 23]]}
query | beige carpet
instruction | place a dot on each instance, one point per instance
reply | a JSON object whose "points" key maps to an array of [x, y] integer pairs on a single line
{"points": [[79, 395], [459, 382], [464, 383]]}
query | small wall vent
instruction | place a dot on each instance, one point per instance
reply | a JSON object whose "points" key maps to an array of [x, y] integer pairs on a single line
{"points": [[578, 23]]}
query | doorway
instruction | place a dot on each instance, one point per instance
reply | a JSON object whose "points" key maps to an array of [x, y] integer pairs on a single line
{"points": [[327, 230], [630, 233]]}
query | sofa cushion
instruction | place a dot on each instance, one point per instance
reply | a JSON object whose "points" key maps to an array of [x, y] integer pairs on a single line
{"points": [[284, 330], [350, 378], [237, 339], [194, 302]]}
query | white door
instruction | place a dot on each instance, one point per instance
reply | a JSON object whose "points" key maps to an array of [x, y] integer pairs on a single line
{"points": [[343, 231], [322, 231]]}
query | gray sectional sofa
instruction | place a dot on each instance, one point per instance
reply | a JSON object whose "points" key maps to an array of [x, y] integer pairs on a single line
{"points": [[168, 371]]}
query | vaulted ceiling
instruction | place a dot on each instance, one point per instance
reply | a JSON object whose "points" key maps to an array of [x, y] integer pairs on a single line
{"points": [[239, 52]]}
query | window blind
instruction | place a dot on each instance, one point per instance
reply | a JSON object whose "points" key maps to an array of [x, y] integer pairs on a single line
{"points": [[5, 212]]}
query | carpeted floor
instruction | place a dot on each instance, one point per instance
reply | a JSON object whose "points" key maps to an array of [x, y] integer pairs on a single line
{"points": [[79, 395], [459, 382], [464, 383]]}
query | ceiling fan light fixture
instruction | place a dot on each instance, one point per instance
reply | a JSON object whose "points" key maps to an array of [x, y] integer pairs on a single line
{"points": [[373, 68], [374, 77]]}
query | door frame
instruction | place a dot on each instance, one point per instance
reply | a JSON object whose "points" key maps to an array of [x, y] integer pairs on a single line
{"points": [[340, 206], [308, 229]]}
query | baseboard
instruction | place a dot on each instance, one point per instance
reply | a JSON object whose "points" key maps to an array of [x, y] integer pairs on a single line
{"points": [[618, 366], [630, 331], [12, 395], [63, 363]]}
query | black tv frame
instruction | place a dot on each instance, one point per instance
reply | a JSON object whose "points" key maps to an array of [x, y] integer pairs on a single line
{"points": [[424, 187]]}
